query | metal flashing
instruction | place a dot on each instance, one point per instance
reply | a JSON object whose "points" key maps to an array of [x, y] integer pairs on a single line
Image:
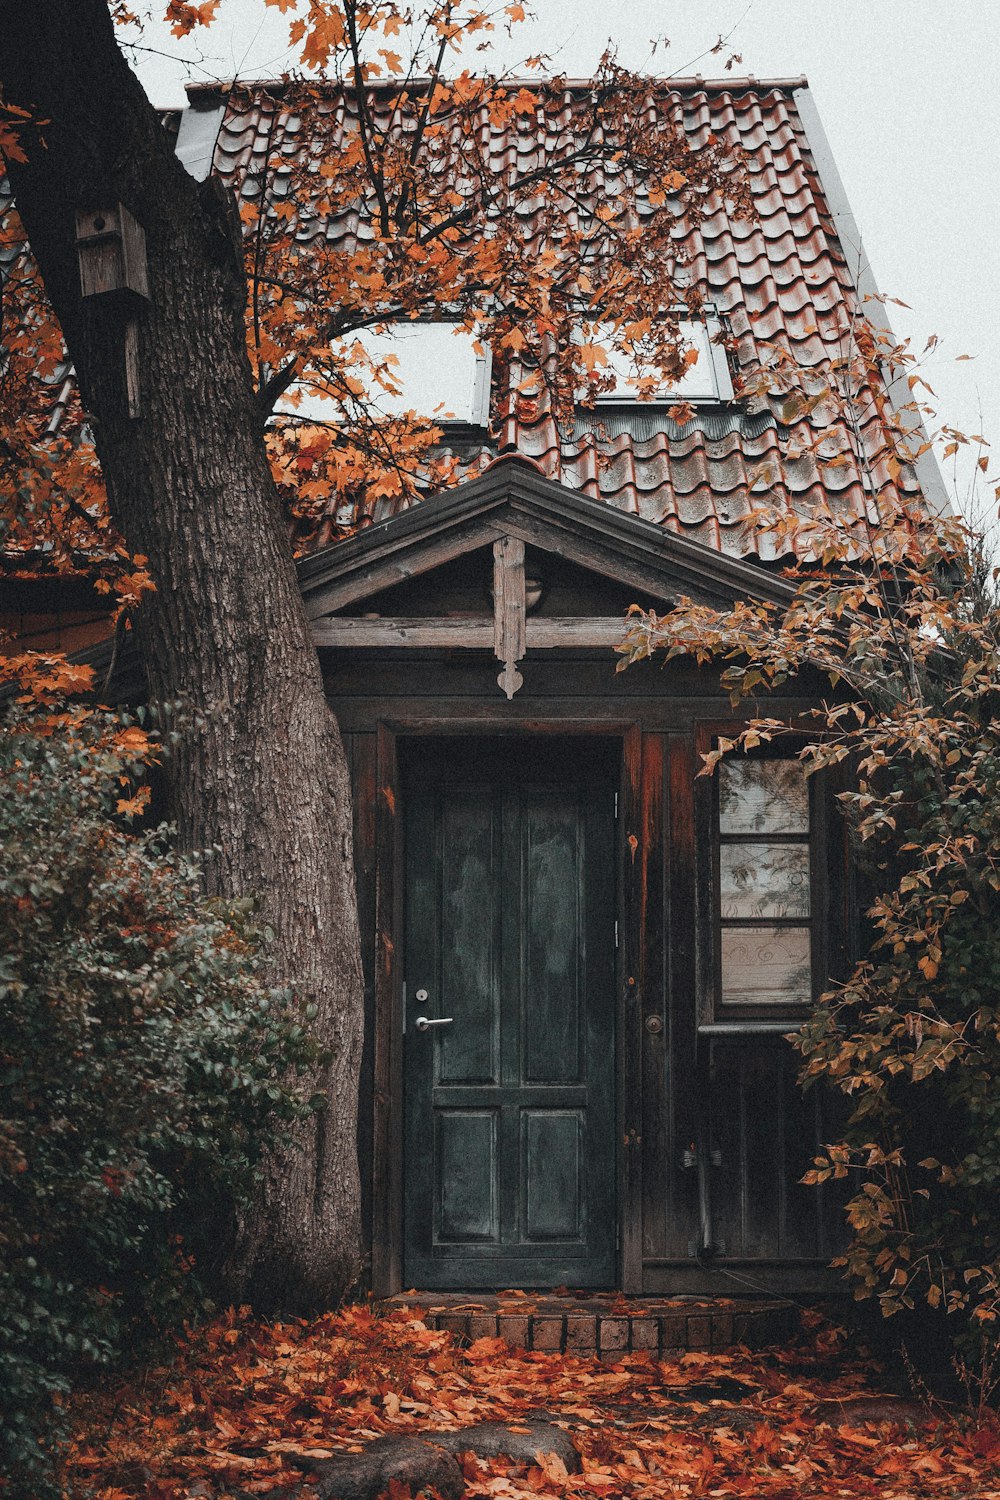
{"points": [[681, 84], [197, 135], [859, 267]]}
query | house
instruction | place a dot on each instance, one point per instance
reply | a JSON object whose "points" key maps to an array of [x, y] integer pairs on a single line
{"points": [[581, 957]]}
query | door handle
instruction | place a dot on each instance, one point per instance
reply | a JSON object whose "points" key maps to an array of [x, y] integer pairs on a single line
{"points": [[424, 1023]]}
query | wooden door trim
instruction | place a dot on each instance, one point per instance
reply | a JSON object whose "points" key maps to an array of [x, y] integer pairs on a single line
{"points": [[630, 965], [387, 1135]]}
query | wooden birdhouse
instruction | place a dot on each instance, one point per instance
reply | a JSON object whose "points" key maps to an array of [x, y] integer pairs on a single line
{"points": [[111, 248]]}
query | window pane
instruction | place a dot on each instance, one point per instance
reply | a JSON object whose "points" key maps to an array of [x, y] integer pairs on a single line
{"points": [[706, 379], [765, 966], [763, 796], [764, 880], [698, 381], [437, 370]]}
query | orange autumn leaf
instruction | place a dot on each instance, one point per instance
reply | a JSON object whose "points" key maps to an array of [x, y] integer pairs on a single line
{"points": [[134, 743], [274, 1393], [185, 15], [134, 807], [44, 678], [592, 356]]}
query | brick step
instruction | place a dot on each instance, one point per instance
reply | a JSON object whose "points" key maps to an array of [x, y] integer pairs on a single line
{"points": [[608, 1327]]}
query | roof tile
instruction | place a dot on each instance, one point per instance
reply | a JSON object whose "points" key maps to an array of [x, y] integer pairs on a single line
{"points": [[780, 279]]}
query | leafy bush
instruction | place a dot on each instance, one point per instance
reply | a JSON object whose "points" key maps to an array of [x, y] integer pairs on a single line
{"points": [[141, 1059]]}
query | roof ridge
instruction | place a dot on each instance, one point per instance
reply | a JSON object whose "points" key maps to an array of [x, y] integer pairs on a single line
{"points": [[688, 84]]}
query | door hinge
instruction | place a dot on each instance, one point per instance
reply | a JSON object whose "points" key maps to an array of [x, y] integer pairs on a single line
{"points": [[616, 807], [616, 932]]}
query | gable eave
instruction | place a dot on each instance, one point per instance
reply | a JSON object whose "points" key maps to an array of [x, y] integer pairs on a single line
{"points": [[513, 498]]}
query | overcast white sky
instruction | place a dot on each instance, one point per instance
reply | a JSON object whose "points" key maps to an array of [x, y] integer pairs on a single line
{"points": [[908, 94]]}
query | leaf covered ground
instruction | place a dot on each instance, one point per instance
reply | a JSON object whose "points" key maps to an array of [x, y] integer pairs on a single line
{"points": [[243, 1400]]}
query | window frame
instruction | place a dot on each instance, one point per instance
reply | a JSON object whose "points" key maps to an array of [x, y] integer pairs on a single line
{"points": [[478, 417], [724, 393], [827, 924]]}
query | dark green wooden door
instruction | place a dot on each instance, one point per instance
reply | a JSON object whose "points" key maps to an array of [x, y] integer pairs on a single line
{"points": [[509, 1141]]}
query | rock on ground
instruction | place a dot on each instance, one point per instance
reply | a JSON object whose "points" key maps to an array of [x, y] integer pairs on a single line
{"points": [[522, 1442], [409, 1460], [428, 1460], [890, 1411]]}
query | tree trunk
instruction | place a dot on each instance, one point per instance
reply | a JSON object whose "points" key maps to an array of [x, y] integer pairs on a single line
{"points": [[259, 779]]}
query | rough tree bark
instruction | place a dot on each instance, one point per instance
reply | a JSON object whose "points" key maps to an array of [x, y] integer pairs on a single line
{"points": [[261, 780]]}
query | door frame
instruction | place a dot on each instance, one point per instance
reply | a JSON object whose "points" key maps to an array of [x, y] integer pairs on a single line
{"points": [[390, 962]]}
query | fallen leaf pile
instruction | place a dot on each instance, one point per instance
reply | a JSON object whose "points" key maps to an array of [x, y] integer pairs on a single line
{"points": [[245, 1402]]}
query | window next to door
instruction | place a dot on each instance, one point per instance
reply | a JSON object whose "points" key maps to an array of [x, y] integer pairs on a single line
{"points": [[764, 887]]}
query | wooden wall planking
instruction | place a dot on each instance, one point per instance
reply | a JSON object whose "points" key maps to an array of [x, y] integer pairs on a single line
{"points": [[387, 1138], [684, 1101], [631, 916], [653, 1069], [665, 1077]]}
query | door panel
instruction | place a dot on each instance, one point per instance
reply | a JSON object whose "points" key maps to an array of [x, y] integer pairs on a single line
{"points": [[470, 923], [551, 988], [509, 1145], [553, 1173], [466, 1201]]}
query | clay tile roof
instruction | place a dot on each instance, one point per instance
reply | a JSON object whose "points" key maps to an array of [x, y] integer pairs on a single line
{"points": [[782, 278]]}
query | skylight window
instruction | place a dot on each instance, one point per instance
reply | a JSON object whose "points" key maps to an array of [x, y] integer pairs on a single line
{"points": [[706, 380], [437, 370]]}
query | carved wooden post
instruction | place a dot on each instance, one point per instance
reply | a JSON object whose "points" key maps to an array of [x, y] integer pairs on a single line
{"points": [[508, 610]]}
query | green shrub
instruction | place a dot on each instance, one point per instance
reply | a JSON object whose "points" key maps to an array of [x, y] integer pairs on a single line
{"points": [[141, 1059]]}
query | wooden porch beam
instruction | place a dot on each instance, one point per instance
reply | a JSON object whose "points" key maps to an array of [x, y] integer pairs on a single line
{"points": [[509, 610], [541, 634]]}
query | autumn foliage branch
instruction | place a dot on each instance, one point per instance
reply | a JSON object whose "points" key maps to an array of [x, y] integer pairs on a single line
{"points": [[899, 614], [398, 210]]}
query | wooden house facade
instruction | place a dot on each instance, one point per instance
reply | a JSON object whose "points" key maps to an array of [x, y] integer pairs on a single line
{"points": [[577, 997], [582, 958]]}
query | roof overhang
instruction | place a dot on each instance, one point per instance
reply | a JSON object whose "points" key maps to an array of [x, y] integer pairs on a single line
{"points": [[512, 499], [507, 509]]}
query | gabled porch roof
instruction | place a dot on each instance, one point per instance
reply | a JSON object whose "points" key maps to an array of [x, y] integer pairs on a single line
{"points": [[512, 499]]}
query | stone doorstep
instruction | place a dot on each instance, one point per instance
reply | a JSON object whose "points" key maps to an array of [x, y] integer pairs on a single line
{"points": [[605, 1328]]}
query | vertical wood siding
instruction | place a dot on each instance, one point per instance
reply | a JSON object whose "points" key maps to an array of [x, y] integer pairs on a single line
{"points": [[678, 1092]]}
